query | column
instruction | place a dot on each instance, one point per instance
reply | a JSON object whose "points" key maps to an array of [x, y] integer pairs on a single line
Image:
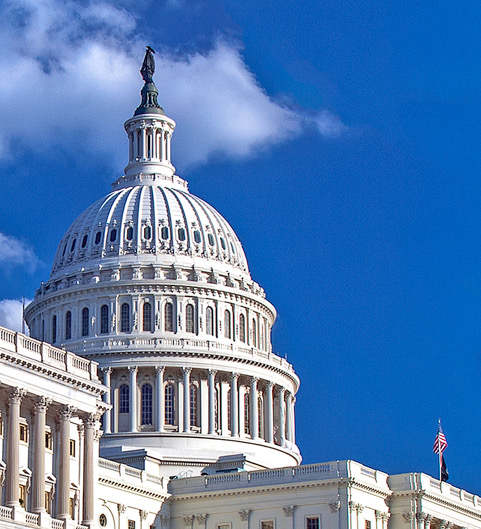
{"points": [[63, 462], [289, 417], [282, 418], [162, 146], [144, 142], [133, 398], [88, 496], [234, 405], [269, 413], [38, 482], [211, 382], [107, 398], [179, 406], [160, 400], [254, 410], [186, 372], [13, 457]]}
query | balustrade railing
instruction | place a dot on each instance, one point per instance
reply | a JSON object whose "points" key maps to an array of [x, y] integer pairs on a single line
{"points": [[6, 513]]}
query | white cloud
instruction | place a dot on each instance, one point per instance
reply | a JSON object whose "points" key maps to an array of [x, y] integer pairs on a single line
{"points": [[11, 314], [68, 75], [14, 252]]}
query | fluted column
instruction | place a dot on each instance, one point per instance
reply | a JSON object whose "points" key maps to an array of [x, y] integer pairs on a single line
{"points": [[108, 414], [63, 462], [160, 401], [88, 496], [186, 373], [289, 417], [254, 411], [234, 405], [282, 417], [38, 481], [13, 455], [269, 413], [133, 398], [212, 373]]}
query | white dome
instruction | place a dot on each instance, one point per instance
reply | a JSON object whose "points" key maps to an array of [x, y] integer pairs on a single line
{"points": [[150, 224]]}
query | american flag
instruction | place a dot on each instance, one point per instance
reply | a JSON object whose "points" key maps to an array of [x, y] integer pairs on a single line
{"points": [[440, 443]]}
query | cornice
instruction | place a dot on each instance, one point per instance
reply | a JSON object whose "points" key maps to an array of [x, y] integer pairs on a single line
{"points": [[25, 363], [132, 488]]}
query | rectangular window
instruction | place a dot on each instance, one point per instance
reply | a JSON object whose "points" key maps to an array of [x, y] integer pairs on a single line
{"points": [[48, 503], [72, 508], [48, 440], [131, 524], [267, 524], [22, 495], [367, 524], [312, 522], [72, 447], [24, 432]]}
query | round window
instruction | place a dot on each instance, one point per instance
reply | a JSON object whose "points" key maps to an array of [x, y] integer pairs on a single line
{"points": [[103, 520]]}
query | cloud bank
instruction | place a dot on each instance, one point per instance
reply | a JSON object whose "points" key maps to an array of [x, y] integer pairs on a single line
{"points": [[69, 75], [11, 314], [15, 253]]}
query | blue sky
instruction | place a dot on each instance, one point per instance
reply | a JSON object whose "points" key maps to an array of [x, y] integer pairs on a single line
{"points": [[342, 142]]}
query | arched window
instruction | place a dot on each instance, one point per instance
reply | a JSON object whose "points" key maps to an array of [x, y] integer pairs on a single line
{"points": [[146, 416], [124, 399], [68, 325], [147, 317], [85, 321], [247, 420], [217, 408], [227, 325], [254, 333], [260, 416], [193, 405], [189, 318], [125, 318], [242, 328], [168, 317], [169, 404], [54, 329], [104, 319], [209, 321]]}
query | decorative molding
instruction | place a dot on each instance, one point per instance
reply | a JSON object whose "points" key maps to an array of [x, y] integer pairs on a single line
{"points": [[244, 514], [121, 508], [335, 506], [201, 518], [288, 510], [188, 519]]}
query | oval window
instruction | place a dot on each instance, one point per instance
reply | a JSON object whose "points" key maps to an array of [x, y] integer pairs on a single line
{"points": [[222, 243], [72, 248], [211, 239], [103, 520], [84, 241], [181, 234], [64, 249], [164, 232], [113, 235], [98, 236], [129, 233], [197, 237], [147, 232], [232, 246]]}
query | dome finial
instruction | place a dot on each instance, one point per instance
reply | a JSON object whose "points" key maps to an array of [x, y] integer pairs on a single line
{"points": [[149, 92]]}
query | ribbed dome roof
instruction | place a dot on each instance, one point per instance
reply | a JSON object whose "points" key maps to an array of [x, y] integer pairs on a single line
{"points": [[150, 224]]}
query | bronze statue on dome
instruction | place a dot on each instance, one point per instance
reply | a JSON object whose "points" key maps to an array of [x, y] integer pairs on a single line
{"points": [[148, 66]]}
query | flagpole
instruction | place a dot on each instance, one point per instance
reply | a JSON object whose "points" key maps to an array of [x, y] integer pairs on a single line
{"points": [[440, 453]]}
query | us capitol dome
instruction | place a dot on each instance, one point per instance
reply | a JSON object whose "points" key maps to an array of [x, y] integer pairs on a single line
{"points": [[153, 284]]}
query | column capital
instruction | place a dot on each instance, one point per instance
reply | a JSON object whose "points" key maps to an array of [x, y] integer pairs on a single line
{"points": [[186, 370], [121, 508], [89, 420], [133, 369], [106, 370], [254, 380], [16, 395], [288, 510], [159, 369], [188, 519], [201, 518], [213, 372], [269, 385], [421, 516], [335, 506], [234, 376], [143, 514], [65, 412], [40, 404]]}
